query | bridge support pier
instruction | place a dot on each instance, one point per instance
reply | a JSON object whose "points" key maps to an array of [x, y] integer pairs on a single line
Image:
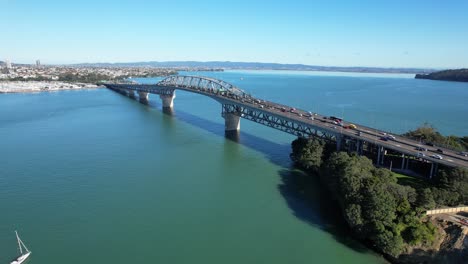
{"points": [[403, 159], [380, 155], [359, 147], [143, 97], [434, 167], [339, 141], [167, 100], [131, 94], [231, 122]]}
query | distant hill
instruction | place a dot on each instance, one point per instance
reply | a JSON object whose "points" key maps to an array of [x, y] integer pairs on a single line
{"points": [[256, 66], [460, 75]]}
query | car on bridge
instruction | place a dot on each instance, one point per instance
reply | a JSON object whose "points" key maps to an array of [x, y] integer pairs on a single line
{"points": [[421, 155], [464, 154], [421, 149], [437, 156]]}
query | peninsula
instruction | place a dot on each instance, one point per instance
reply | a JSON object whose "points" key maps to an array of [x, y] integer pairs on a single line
{"points": [[460, 75]]}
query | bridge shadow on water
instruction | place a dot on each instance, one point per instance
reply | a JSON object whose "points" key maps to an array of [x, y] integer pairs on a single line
{"points": [[303, 193]]}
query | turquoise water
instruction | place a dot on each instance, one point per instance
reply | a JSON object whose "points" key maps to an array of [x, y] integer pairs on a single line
{"points": [[94, 177]]}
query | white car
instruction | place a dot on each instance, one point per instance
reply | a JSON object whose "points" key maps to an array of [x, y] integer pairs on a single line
{"points": [[421, 155], [437, 156], [391, 137]]}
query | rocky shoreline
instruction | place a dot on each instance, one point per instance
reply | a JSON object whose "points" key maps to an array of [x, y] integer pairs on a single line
{"points": [[42, 86], [450, 245]]}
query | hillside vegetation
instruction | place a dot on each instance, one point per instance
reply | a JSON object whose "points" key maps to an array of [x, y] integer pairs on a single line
{"points": [[460, 75], [386, 215]]}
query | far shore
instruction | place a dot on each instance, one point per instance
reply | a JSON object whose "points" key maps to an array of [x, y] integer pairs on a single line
{"points": [[42, 86]]}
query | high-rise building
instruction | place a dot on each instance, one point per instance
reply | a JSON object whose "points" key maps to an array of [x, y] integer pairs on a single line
{"points": [[7, 64], [38, 63]]}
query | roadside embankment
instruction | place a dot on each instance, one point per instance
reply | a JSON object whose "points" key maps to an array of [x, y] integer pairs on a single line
{"points": [[450, 245], [41, 86]]}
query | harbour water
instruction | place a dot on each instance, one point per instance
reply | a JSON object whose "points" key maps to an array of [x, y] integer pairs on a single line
{"points": [[92, 176]]}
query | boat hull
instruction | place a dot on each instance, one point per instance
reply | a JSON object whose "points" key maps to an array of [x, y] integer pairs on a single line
{"points": [[21, 258]]}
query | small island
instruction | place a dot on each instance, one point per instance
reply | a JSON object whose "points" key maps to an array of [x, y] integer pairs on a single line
{"points": [[460, 75]]}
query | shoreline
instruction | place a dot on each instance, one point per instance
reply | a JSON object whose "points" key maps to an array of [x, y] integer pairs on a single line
{"points": [[42, 86]]}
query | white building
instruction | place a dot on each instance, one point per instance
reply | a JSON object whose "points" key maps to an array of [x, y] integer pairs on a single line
{"points": [[38, 63], [8, 64]]}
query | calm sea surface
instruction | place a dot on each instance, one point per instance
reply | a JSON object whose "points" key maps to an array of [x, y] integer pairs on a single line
{"points": [[94, 177]]}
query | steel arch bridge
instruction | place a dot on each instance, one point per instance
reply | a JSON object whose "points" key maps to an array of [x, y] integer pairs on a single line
{"points": [[237, 104], [203, 84]]}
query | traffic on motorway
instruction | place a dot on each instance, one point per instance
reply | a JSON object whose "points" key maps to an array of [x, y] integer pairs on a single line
{"points": [[331, 123], [370, 134]]}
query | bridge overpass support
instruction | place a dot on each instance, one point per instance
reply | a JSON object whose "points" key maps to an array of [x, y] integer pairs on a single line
{"points": [[339, 142], [380, 155], [143, 97], [131, 94], [403, 159], [167, 100], [231, 122], [359, 147]]}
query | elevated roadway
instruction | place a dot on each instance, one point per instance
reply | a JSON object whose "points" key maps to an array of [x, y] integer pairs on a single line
{"points": [[236, 104]]}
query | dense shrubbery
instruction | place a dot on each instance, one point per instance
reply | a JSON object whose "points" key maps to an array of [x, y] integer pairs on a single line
{"points": [[378, 209], [427, 133], [451, 187]]}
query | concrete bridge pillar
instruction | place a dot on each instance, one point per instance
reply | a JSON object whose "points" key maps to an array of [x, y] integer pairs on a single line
{"points": [[231, 122], [383, 155], [339, 140], [167, 100], [431, 173], [403, 161], [359, 147], [380, 155], [434, 167], [143, 97]]}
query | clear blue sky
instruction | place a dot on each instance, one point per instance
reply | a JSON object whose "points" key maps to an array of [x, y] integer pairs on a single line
{"points": [[410, 33]]}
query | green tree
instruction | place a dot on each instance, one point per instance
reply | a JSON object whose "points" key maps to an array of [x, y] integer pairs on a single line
{"points": [[307, 153], [425, 199]]}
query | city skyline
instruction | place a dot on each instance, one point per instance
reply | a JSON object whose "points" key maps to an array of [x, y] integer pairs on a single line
{"points": [[420, 34]]}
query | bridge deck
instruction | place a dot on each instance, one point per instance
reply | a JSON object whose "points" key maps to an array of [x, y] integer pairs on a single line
{"points": [[317, 122]]}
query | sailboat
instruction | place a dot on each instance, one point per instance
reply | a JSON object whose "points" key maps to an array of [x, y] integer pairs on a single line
{"points": [[23, 256]]}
